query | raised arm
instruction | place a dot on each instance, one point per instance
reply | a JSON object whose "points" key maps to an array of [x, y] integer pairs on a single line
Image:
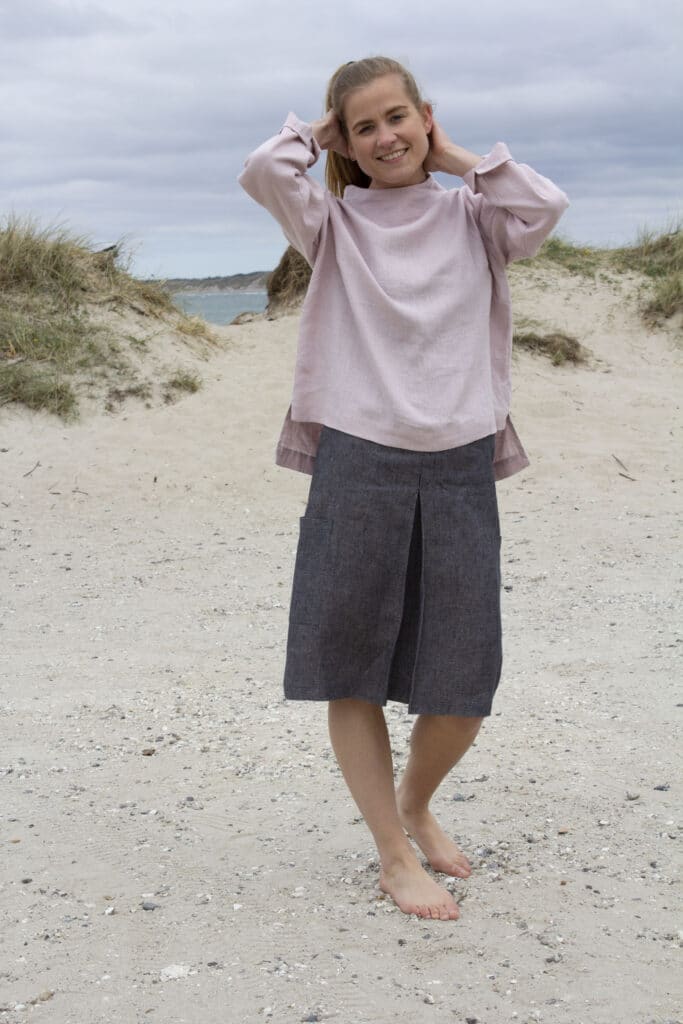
{"points": [[275, 176], [516, 208]]}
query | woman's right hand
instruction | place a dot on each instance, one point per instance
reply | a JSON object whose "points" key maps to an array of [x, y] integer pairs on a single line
{"points": [[328, 133]]}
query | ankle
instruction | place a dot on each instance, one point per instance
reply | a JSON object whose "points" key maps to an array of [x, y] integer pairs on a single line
{"points": [[398, 858], [410, 806]]}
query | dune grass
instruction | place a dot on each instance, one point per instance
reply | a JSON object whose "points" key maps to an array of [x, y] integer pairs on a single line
{"points": [[658, 256], [557, 346], [288, 283], [50, 345], [179, 381]]}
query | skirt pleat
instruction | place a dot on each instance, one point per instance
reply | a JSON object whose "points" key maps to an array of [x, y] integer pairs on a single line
{"points": [[396, 587]]}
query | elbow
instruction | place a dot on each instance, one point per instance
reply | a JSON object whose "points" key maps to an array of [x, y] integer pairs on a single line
{"points": [[537, 233], [252, 175]]}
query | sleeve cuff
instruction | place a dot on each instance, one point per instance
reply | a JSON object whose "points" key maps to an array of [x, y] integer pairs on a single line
{"points": [[499, 155], [304, 131]]}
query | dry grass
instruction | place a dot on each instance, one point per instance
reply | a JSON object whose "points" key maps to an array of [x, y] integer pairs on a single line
{"points": [[560, 348], [181, 380], [658, 256], [50, 282], [288, 283]]}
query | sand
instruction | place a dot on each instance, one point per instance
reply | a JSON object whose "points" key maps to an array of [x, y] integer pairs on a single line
{"points": [[177, 842]]}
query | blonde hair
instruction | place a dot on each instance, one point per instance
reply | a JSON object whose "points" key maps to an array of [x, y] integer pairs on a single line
{"points": [[341, 171]]}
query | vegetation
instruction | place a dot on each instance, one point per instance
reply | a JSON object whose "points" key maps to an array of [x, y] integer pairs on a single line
{"points": [[558, 347], [181, 380], [51, 344], [288, 283], [657, 256], [54, 345]]}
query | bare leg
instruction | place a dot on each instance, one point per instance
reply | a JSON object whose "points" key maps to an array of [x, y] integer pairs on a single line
{"points": [[437, 743], [360, 741]]}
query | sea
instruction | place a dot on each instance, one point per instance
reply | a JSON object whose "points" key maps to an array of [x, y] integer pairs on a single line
{"points": [[220, 307]]}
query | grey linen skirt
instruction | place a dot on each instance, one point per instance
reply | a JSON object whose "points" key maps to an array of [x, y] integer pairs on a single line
{"points": [[396, 588]]}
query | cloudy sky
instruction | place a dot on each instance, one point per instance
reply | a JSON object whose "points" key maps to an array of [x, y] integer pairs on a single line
{"points": [[132, 119]]}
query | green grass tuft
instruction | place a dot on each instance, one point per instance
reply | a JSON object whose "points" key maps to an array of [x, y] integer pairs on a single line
{"points": [[49, 280], [37, 388], [657, 255], [181, 380]]}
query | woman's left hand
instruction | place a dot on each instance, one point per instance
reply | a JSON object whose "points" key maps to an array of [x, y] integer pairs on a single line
{"points": [[446, 156]]}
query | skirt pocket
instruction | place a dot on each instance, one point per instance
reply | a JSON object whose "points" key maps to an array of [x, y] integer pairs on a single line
{"points": [[312, 571]]}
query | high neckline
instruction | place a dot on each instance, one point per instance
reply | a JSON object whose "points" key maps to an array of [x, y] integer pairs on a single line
{"points": [[355, 193]]}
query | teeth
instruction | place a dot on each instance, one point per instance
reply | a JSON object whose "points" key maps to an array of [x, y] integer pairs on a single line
{"points": [[393, 156]]}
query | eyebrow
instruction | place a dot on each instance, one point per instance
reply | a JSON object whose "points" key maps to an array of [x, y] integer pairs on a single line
{"points": [[368, 120]]}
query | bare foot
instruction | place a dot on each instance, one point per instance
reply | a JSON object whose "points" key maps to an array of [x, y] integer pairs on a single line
{"points": [[441, 852], [414, 892]]}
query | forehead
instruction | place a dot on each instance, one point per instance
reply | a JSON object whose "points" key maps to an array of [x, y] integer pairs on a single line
{"points": [[373, 100]]}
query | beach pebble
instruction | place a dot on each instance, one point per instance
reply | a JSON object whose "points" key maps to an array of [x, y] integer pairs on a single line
{"points": [[174, 971], [149, 905]]}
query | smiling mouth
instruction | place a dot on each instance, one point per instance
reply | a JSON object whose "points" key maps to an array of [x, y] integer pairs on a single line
{"points": [[389, 158]]}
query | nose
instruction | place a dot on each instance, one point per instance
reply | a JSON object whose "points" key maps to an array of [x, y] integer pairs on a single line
{"points": [[386, 136]]}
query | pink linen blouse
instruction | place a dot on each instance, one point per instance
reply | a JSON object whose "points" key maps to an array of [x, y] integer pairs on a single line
{"points": [[405, 336]]}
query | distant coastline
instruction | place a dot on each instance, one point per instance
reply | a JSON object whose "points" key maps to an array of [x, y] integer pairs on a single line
{"points": [[254, 282]]}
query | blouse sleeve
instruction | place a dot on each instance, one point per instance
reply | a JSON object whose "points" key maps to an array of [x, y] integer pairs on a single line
{"points": [[275, 176], [515, 207]]}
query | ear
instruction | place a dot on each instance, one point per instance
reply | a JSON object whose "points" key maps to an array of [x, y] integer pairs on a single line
{"points": [[427, 117]]}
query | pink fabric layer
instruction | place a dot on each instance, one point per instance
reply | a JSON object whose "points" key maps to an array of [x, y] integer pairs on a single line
{"points": [[406, 330]]}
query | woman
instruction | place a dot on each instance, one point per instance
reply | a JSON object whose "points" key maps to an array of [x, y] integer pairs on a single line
{"points": [[401, 413]]}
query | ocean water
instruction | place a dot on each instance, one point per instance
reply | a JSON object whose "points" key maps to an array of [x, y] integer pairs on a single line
{"points": [[220, 307]]}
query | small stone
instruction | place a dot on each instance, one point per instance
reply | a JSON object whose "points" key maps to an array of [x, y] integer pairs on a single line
{"points": [[562, 831], [663, 787], [109, 911], [45, 996], [174, 971], [603, 821], [25, 881], [632, 796], [471, 1020], [429, 999], [148, 751], [150, 905]]}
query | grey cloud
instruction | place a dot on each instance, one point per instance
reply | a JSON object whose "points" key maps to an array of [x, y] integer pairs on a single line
{"points": [[137, 119]]}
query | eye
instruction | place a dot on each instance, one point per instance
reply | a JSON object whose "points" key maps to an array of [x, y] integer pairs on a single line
{"points": [[397, 117], [364, 130]]}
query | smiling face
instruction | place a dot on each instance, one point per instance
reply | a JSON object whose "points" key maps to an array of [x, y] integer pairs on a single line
{"points": [[387, 134]]}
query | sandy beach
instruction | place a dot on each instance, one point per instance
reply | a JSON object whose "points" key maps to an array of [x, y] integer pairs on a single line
{"points": [[178, 844]]}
